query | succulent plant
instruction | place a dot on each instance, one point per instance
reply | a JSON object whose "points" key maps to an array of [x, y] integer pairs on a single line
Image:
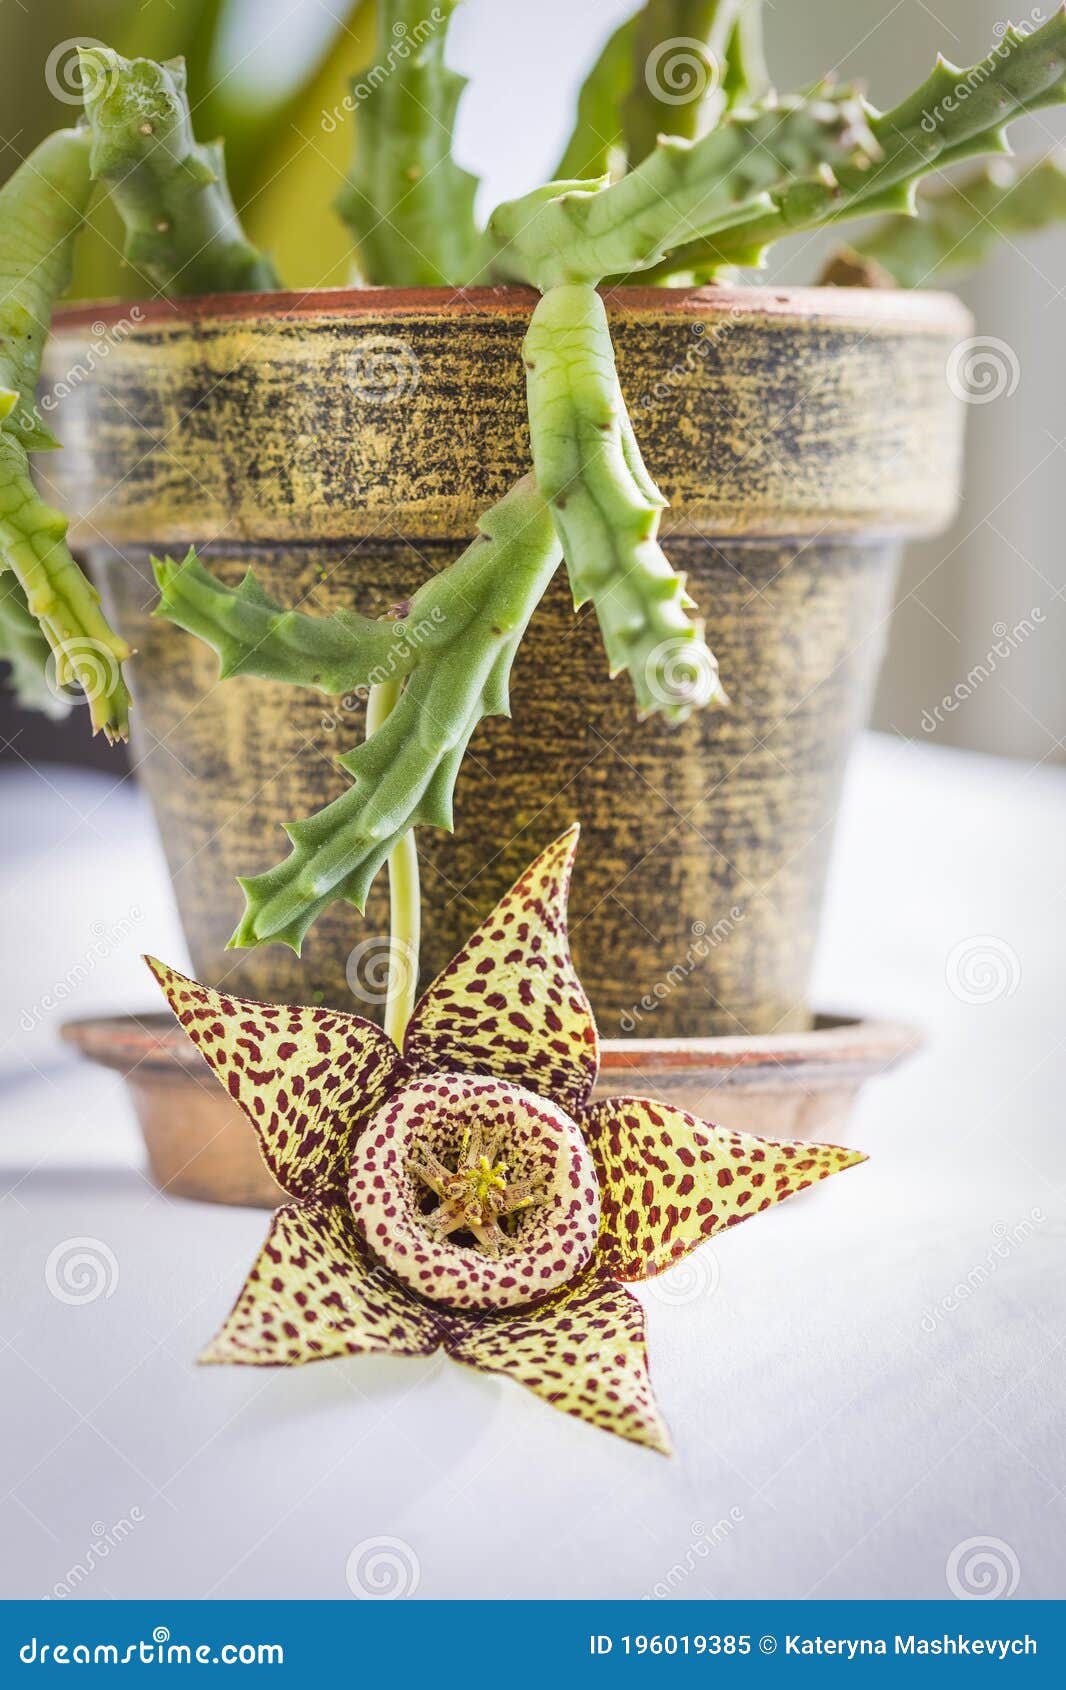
{"points": [[649, 185]]}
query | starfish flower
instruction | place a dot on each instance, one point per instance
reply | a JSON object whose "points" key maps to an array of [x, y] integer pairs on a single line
{"points": [[466, 1193]]}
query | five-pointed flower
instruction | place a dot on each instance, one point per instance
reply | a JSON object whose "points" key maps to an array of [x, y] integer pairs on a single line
{"points": [[466, 1193]]}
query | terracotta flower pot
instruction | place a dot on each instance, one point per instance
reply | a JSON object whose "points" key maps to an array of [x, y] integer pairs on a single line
{"points": [[344, 443]]}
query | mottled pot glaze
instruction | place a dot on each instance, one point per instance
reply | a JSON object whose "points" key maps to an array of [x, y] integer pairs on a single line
{"points": [[344, 443]]}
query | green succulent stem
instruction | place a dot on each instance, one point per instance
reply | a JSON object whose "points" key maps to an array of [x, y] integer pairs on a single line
{"points": [[596, 145], [954, 115], [405, 908], [409, 206], [24, 648], [958, 226], [678, 63], [584, 231], [41, 210], [606, 507], [404, 774], [182, 229]]}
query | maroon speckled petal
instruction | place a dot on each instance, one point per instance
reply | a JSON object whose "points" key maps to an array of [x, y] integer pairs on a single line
{"points": [[583, 1351], [307, 1079], [669, 1181], [316, 1292], [511, 1004]]}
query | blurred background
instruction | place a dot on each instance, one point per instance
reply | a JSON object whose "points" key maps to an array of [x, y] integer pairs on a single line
{"points": [[263, 72]]}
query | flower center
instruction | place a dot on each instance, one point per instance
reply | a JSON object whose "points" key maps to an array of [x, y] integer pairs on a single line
{"points": [[475, 1193], [476, 1196]]}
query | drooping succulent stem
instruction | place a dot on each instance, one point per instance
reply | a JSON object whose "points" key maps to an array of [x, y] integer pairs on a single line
{"points": [[405, 773], [584, 231], [41, 210], [957, 227], [954, 115], [182, 229], [409, 206], [405, 908], [606, 507]]}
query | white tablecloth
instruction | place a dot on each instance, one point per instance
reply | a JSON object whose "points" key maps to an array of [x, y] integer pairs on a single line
{"points": [[871, 1378]]}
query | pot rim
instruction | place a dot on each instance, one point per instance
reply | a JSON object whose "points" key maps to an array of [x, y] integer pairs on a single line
{"points": [[916, 310]]}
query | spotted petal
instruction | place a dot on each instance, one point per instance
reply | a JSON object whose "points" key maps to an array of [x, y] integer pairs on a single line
{"points": [[306, 1078], [511, 1004], [315, 1292], [583, 1351], [669, 1181]]}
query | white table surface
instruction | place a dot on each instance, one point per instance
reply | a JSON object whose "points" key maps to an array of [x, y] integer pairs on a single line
{"points": [[875, 1378]]}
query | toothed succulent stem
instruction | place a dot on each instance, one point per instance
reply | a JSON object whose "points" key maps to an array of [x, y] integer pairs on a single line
{"points": [[606, 507], [182, 229], [26, 651], [582, 231], [405, 910], [957, 227], [408, 204], [405, 773], [954, 115]]}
